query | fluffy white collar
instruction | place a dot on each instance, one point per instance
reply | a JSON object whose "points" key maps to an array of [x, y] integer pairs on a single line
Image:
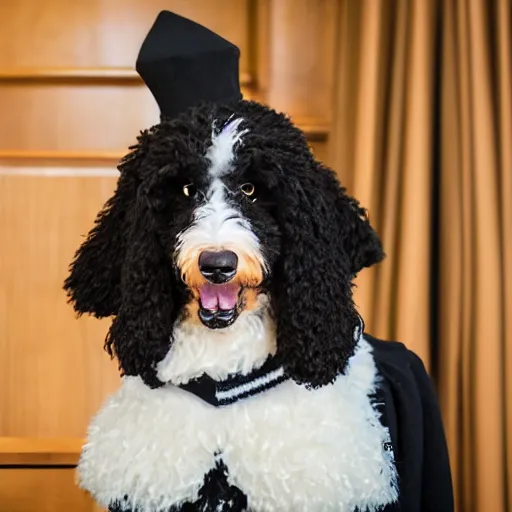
{"points": [[288, 449]]}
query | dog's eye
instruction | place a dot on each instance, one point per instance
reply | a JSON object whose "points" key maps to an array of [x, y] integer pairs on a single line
{"points": [[248, 189], [189, 190]]}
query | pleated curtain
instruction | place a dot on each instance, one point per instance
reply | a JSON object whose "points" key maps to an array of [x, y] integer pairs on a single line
{"points": [[422, 135]]}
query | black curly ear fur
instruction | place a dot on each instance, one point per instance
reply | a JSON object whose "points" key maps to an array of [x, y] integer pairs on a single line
{"points": [[93, 284], [140, 334], [360, 242], [326, 240]]}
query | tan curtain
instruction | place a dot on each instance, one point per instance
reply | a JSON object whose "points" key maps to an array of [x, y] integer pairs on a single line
{"points": [[422, 135]]}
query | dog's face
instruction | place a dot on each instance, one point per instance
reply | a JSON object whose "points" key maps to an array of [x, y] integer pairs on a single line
{"points": [[222, 215], [219, 209]]}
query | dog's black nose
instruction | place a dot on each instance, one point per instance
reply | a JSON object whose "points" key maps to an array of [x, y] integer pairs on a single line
{"points": [[218, 267]]}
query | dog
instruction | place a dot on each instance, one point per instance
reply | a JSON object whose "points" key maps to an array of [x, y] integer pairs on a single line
{"points": [[226, 258], [228, 253]]}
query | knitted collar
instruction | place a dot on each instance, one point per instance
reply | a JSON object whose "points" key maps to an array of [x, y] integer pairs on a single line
{"points": [[237, 387]]}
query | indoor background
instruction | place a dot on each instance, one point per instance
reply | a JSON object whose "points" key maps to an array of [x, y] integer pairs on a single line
{"points": [[410, 101]]}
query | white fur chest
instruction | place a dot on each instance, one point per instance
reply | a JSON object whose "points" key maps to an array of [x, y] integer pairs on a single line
{"points": [[287, 449]]}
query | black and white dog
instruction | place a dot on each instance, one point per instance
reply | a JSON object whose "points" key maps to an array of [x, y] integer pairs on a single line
{"points": [[227, 256]]}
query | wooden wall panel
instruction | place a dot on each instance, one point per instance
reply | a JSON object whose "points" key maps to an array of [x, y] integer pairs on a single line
{"points": [[83, 117], [71, 104], [298, 56], [103, 33], [42, 490], [53, 371], [38, 474], [289, 44], [37, 452]]}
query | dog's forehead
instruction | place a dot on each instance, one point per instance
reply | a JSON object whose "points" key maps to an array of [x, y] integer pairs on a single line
{"points": [[225, 139], [231, 144]]}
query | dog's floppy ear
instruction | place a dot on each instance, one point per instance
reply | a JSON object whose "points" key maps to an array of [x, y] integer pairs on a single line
{"points": [[140, 335], [93, 284], [326, 240], [360, 242]]}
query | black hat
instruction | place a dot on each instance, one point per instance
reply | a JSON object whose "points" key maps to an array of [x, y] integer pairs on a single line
{"points": [[184, 64]]}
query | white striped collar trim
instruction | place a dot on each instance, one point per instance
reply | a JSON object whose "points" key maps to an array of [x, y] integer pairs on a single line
{"points": [[263, 382], [239, 387]]}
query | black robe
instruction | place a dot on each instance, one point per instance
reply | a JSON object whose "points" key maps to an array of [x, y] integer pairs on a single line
{"points": [[411, 412]]}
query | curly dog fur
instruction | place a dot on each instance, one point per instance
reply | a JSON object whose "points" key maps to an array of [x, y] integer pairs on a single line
{"points": [[314, 237]]}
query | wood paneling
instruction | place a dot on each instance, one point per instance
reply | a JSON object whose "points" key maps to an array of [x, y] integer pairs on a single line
{"points": [[87, 118], [53, 371], [299, 56], [51, 98], [11, 160], [42, 490], [69, 97], [83, 75], [73, 117], [70, 75], [71, 104], [24, 451], [39, 475], [103, 33]]}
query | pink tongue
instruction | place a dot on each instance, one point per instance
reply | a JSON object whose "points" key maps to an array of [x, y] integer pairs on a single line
{"points": [[219, 296]]}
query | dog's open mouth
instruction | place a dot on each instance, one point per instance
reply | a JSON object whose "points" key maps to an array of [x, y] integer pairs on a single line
{"points": [[219, 304]]}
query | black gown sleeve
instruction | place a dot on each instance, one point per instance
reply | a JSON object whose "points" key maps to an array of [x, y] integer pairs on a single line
{"points": [[436, 484], [412, 415]]}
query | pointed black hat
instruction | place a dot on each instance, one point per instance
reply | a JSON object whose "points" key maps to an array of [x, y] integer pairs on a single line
{"points": [[184, 64]]}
